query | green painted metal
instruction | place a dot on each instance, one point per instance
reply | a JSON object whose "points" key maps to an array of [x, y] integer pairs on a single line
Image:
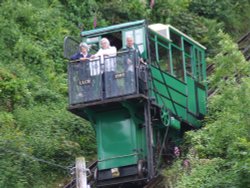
{"points": [[204, 69], [174, 123], [192, 96], [171, 59], [169, 120], [184, 59], [120, 140], [202, 100], [165, 77], [165, 117], [170, 92], [185, 99], [115, 140], [196, 47], [113, 28], [156, 50]]}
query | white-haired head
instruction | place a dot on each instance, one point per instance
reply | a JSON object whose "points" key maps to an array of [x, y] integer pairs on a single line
{"points": [[104, 43], [84, 45], [130, 41]]}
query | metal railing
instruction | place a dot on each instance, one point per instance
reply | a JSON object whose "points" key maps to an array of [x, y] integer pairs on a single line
{"points": [[105, 77]]}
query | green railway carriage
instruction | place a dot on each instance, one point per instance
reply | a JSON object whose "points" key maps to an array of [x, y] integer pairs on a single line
{"points": [[138, 116]]}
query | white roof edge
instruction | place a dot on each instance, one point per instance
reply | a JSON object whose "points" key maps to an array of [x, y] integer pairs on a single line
{"points": [[162, 26], [158, 27]]}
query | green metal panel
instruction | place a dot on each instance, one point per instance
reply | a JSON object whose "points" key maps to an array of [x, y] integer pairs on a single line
{"points": [[140, 132], [196, 97], [192, 98], [184, 99], [167, 78], [204, 67], [116, 140], [202, 95], [174, 123], [171, 59], [120, 140], [169, 92], [184, 59], [192, 120]]}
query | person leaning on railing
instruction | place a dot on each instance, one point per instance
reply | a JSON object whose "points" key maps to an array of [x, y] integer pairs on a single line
{"points": [[82, 54], [130, 46], [133, 53], [107, 56], [81, 72], [106, 51]]}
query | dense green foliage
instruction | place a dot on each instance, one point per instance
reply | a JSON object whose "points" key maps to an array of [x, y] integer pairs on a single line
{"points": [[34, 122], [39, 139]]}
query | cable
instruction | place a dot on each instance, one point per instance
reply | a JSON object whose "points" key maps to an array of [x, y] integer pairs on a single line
{"points": [[36, 159]]}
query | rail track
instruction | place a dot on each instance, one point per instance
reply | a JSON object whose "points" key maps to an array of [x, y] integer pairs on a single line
{"points": [[156, 182], [244, 45]]}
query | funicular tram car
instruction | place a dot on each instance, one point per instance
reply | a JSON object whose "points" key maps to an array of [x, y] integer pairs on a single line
{"points": [[138, 117]]}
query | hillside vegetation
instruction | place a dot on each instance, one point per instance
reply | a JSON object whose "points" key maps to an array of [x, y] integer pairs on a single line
{"points": [[39, 139]]}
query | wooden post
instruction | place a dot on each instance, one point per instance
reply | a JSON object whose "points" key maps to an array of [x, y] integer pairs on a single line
{"points": [[81, 173]]}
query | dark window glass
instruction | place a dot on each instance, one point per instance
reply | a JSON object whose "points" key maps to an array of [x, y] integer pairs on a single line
{"points": [[177, 63], [176, 39], [188, 65], [187, 48], [164, 58], [152, 47]]}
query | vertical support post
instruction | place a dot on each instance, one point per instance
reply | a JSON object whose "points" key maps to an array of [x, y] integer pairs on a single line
{"points": [[149, 140], [183, 59], [81, 173], [171, 58]]}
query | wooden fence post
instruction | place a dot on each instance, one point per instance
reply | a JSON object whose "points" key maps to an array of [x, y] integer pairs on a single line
{"points": [[81, 173]]}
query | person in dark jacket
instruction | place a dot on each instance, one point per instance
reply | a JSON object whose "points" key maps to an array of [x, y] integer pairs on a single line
{"points": [[132, 46], [82, 54], [133, 53], [85, 83]]}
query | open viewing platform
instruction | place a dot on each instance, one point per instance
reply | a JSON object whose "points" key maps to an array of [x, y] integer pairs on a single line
{"points": [[105, 80]]}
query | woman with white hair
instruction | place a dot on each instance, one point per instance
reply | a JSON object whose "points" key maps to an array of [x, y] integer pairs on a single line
{"points": [[106, 50], [107, 55], [82, 54]]}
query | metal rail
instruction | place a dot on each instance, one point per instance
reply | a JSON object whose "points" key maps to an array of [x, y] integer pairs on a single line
{"points": [[156, 182], [244, 45]]}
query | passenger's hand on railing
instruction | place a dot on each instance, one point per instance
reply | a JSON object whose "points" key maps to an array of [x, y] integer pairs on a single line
{"points": [[129, 61], [94, 57], [84, 59], [75, 61], [142, 61]]}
